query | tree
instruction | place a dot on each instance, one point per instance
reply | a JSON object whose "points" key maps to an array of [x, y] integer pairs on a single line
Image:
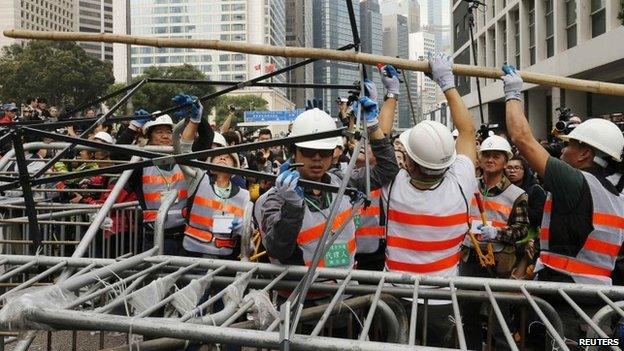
{"points": [[242, 103], [157, 96], [621, 14], [61, 72]]}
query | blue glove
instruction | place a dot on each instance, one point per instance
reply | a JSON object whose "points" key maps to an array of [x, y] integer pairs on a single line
{"points": [[139, 123], [441, 70], [370, 111], [512, 83], [236, 225], [194, 110], [370, 89], [488, 233], [287, 189], [284, 167], [390, 79]]}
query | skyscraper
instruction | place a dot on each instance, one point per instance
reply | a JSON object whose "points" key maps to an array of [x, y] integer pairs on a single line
{"points": [[408, 8], [96, 16], [438, 22], [57, 15], [422, 43], [299, 33], [332, 30], [396, 44], [371, 37], [245, 21]]}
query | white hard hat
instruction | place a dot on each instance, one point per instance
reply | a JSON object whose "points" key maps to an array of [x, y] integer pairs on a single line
{"points": [[164, 120], [105, 137], [219, 139], [314, 121], [600, 134], [430, 144], [496, 143]]}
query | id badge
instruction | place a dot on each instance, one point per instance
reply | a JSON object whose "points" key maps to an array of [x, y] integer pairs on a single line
{"points": [[221, 223], [337, 255]]}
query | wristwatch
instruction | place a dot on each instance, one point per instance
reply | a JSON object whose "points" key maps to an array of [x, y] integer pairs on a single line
{"points": [[391, 96]]}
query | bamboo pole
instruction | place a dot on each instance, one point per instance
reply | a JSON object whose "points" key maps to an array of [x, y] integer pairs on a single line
{"points": [[323, 54]]}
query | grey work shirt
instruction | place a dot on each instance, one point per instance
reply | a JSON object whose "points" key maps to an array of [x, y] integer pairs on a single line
{"points": [[281, 222]]}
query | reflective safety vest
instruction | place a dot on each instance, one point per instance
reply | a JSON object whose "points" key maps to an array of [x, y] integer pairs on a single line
{"points": [[369, 233], [342, 253], [497, 209], [425, 236], [596, 260], [155, 181], [205, 205]]}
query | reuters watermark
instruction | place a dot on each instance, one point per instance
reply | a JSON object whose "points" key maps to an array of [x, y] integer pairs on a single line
{"points": [[599, 342]]}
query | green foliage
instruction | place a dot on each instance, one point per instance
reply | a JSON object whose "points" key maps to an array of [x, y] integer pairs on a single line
{"points": [[242, 103], [61, 72], [621, 14], [157, 96]]}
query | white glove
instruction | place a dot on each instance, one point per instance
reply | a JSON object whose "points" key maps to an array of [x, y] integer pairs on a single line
{"points": [[512, 83], [287, 189], [441, 70], [390, 79], [488, 233]]}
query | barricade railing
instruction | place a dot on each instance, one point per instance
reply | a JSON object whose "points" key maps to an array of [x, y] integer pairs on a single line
{"points": [[161, 296]]}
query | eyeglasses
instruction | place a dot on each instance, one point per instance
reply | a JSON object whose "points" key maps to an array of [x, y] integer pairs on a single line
{"points": [[514, 168], [310, 153]]}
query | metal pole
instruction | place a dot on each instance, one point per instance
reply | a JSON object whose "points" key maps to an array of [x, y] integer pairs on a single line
{"points": [[256, 84], [474, 55], [161, 216], [88, 130], [24, 180], [409, 97]]}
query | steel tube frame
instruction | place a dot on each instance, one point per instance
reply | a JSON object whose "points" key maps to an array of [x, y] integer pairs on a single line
{"points": [[88, 130], [256, 84]]}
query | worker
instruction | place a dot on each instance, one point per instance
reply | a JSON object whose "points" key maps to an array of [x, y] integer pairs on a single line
{"points": [[151, 182], [217, 206], [292, 219], [581, 232], [506, 210], [427, 204]]}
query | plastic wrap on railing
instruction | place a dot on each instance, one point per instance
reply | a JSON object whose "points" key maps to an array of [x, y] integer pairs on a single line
{"points": [[151, 294], [18, 305], [187, 298], [263, 312]]}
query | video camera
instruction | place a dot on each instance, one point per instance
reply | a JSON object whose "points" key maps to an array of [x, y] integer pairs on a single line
{"points": [[485, 129], [562, 126]]}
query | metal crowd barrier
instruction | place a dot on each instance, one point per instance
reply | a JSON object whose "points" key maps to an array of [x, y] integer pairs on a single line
{"points": [[161, 297]]}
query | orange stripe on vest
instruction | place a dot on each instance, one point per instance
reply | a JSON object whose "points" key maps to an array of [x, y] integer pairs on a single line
{"points": [[159, 179], [417, 245], [370, 231], [602, 247], [445, 263], [155, 196], [315, 233], [608, 220], [428, 220], [573, 266], [218, 205]]}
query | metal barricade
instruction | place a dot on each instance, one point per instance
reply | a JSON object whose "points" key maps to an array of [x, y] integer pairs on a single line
{"points": [[161, 296]]}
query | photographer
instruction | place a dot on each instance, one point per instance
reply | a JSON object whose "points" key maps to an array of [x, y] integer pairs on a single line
{"points": [[566, 124]]}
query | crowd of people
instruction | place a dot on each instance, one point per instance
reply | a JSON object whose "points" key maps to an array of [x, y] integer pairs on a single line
{"points": [[442, 203]]}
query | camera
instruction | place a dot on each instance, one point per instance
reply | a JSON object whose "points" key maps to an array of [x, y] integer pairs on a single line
{"points": [[485, 130], [341, 100], [562, 125]]}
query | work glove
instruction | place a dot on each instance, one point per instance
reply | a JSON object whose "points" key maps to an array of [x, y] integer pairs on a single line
{"points": [[488, 233], [194, 110], [287, 189], [390, 79], [512, 83], [138, 123], [370, 89], [370, 111], [236, 225], [441, 70]]}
